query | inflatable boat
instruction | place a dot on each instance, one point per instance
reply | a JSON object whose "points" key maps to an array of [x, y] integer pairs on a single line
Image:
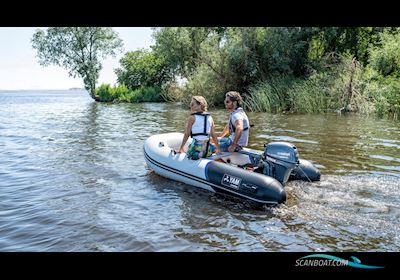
{"points": [[258, 176]]}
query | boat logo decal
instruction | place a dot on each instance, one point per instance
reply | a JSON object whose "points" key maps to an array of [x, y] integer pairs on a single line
{"points": [[231, 181], [283, 155]]}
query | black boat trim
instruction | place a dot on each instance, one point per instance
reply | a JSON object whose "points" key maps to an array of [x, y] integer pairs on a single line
{"points": [[200, 180]]}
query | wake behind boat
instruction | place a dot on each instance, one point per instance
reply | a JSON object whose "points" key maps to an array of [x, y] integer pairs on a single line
{"points": [[249, 174]]}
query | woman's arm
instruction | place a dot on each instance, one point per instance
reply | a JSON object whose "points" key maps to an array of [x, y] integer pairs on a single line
{"points": [[188, 129], [215, 139]]}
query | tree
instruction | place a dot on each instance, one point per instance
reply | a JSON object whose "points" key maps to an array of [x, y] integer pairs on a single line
{"points": [[180, 46], [78, 50], [143, 68], [353, 40]]}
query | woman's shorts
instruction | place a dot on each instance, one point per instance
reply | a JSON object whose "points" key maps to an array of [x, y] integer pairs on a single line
{"points": [[197, 149]]}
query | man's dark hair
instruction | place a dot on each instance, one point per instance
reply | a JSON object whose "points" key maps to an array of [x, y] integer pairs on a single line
{"points": [[235, 96]]}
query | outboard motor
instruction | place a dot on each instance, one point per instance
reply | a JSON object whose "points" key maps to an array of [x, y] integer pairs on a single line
{"points": [[279, 159]]}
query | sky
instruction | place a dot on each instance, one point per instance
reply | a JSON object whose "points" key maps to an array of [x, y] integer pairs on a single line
{"points": [[20, 69]]}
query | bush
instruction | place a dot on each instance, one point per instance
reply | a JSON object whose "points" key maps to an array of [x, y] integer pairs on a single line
{"points": [[385, 94], [205, 82], [338, 86], [270, 95], [146, 94], [121, 93], [385, 59], [310, 95], [105, 93], [172, 92]]}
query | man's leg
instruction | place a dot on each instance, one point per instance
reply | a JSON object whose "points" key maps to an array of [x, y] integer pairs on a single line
{"points": [[224, 143]]}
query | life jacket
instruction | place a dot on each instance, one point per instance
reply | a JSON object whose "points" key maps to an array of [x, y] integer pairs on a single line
{"points": [[232, 127], [204, 130], [205, 125]]}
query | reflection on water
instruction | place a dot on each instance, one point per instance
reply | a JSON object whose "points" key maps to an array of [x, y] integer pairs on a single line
{"points": [[73, 178]]}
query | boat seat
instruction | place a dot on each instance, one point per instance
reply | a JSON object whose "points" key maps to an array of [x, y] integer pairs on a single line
{"points": [[251, 152], [235, 158], [254, 155]]}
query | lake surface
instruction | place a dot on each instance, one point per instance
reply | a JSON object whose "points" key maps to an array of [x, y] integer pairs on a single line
{"points": [[73, 178]]}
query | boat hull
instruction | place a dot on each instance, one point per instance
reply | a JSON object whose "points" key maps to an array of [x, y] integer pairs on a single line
{"points": [[208, 173]]}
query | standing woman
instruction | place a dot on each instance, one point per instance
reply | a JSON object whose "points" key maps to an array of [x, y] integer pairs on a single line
{"points": [[200, 126]]}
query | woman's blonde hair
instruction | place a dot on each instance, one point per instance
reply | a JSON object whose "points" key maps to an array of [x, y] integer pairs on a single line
{"points": [[201, 101]]}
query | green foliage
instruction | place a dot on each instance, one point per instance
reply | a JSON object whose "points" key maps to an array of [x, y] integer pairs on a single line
{"points": [[389, 102], [285, 50], [260, 53], [385, 59], [277, 69], [172, 92], [121, 93], [142, 68], [340, 87], [77, 49], [270, 95], [180, 46], [244, 57], [340, 40], [382, 85], [288, 93], [310, 95], [147, 94], [105, 93], [233, 58], [346, 87], [205, 82], [384, 92]]}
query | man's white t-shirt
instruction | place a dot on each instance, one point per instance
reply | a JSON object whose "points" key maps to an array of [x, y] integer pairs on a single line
{"points": [[239, 114]]}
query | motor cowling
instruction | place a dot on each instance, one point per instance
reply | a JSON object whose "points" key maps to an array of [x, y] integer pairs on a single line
{"points": [[279, 159]]}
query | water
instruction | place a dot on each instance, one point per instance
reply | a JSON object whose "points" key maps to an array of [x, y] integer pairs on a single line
{"points": [[73, 178]]}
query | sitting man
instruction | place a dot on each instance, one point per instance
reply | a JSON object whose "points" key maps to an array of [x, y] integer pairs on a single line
{"points": [[238, 124]]}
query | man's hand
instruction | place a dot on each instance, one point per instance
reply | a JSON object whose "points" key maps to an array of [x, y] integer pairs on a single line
{"points": [[232, 148]]}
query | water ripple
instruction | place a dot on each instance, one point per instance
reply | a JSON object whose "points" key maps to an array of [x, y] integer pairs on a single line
{"points": [[73, 178]]}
